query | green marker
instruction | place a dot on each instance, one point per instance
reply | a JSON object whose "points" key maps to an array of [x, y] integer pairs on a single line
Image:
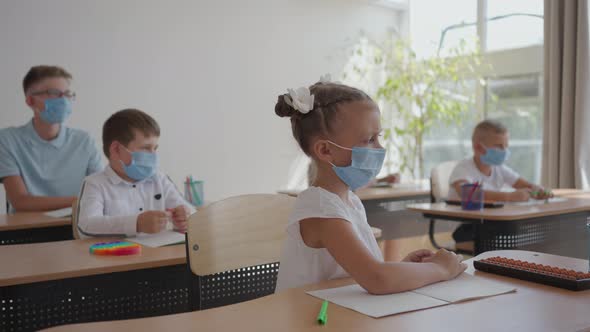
{"points": [[323, 315], [544, 192]]}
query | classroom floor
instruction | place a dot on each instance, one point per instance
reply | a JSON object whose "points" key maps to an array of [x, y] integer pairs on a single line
{"points": [[406, 245]]}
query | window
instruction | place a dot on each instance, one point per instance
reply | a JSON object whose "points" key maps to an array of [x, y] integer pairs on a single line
{"points": [[516, 102], [426, 28], [510, 35], [521, 20]]}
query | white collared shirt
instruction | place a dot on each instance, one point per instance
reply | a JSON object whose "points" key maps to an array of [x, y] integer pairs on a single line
{"points": [[501, 179], [109, 205]]}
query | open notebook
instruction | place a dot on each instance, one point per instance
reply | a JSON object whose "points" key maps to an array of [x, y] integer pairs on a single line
{"points": [[164, 238], [532, 202], [463, 288], [61, 213]]}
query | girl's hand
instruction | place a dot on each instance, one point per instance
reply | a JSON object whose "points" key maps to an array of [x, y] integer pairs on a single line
{"points": [[449, 263], [418, 256]]}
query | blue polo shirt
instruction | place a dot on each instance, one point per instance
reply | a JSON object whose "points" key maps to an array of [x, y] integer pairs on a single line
{"points": [[48, 168]]}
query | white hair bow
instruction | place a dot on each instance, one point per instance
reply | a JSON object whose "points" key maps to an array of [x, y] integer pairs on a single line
{"points": [[300, 99]]}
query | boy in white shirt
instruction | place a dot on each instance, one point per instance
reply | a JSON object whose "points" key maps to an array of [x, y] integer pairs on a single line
{"points": [[130, 196], [490, 151]]}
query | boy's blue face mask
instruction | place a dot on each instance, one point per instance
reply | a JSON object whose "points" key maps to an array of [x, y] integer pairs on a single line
{"points": [[366, 164], [57, 110], [495, 156], [143, 165]]}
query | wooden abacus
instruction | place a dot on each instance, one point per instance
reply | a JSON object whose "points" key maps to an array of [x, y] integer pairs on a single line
{"points": [[544, 274]]}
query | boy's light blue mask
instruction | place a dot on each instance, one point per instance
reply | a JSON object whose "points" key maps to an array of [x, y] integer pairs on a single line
{"points": [[495, 156], [57, 110], [143, 165], [365, 165]]}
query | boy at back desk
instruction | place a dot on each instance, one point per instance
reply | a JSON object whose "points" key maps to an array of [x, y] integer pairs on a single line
{"points": [[130, 196], [43, 162], [490, 152]]}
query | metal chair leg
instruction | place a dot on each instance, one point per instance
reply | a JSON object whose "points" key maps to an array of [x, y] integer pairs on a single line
{"points": [[431, 234]]}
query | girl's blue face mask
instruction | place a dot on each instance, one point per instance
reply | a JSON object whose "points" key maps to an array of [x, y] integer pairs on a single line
{"points": [[365, 165], [495, 156], [143, 165]]}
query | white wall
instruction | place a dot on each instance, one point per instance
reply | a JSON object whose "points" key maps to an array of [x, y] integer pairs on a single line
{"points": [[208, 71]]}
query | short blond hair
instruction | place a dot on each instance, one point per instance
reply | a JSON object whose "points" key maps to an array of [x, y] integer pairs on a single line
{"points": [[487, 127]]}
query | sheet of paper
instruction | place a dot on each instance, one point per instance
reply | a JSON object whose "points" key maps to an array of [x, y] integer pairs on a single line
{"points": [[532, 202], [463, 288], [161, 239], [61, 213], [356, 298], [407, 185]]}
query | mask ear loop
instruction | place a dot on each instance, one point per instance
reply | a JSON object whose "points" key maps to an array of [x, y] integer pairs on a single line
{"points": [[340, 146], [483, 146], [124, 147], [131, 153]]}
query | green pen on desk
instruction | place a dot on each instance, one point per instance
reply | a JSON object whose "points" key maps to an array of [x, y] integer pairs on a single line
{"points": [[537, 193], [323, 315]]}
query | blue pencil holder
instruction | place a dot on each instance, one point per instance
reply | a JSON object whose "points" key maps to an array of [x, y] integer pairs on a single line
{"points": [[471, 197], [194, 192]]}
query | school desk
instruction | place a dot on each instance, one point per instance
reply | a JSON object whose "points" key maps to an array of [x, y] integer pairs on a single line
{"points": [[386, 207], [32, 227], [557, 228], [397, 192], [579, 193], [568, 192], [534, 307], [53, 283]]}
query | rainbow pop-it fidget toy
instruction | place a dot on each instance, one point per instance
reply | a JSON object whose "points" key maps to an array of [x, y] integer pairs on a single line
{"points": [[115, 248]]}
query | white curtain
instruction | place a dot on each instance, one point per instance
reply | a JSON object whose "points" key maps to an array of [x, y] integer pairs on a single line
{"points": [[566, 143]]}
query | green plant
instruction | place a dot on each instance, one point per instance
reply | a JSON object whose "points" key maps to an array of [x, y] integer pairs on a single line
{"points": [[416, 94]]}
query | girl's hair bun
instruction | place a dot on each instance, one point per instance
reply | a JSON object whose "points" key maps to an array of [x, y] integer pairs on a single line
{"points": [[283, 109]]}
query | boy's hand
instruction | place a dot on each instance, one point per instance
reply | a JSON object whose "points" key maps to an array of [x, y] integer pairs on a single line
{"points": [[418, 256], [520, 195], [152, 222], [541, 193], [448, 262], [392, 178], [180, 216]]}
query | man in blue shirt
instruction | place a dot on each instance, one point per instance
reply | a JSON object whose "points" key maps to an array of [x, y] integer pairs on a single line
{"points": [[43, 163]]}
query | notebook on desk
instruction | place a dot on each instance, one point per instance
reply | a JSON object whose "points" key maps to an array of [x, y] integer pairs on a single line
{"points": [[61, 213], [532, 202], [463, 288], [164, 238]]}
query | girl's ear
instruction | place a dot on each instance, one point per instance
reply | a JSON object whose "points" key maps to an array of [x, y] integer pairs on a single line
{"points": [[321, 150]]}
